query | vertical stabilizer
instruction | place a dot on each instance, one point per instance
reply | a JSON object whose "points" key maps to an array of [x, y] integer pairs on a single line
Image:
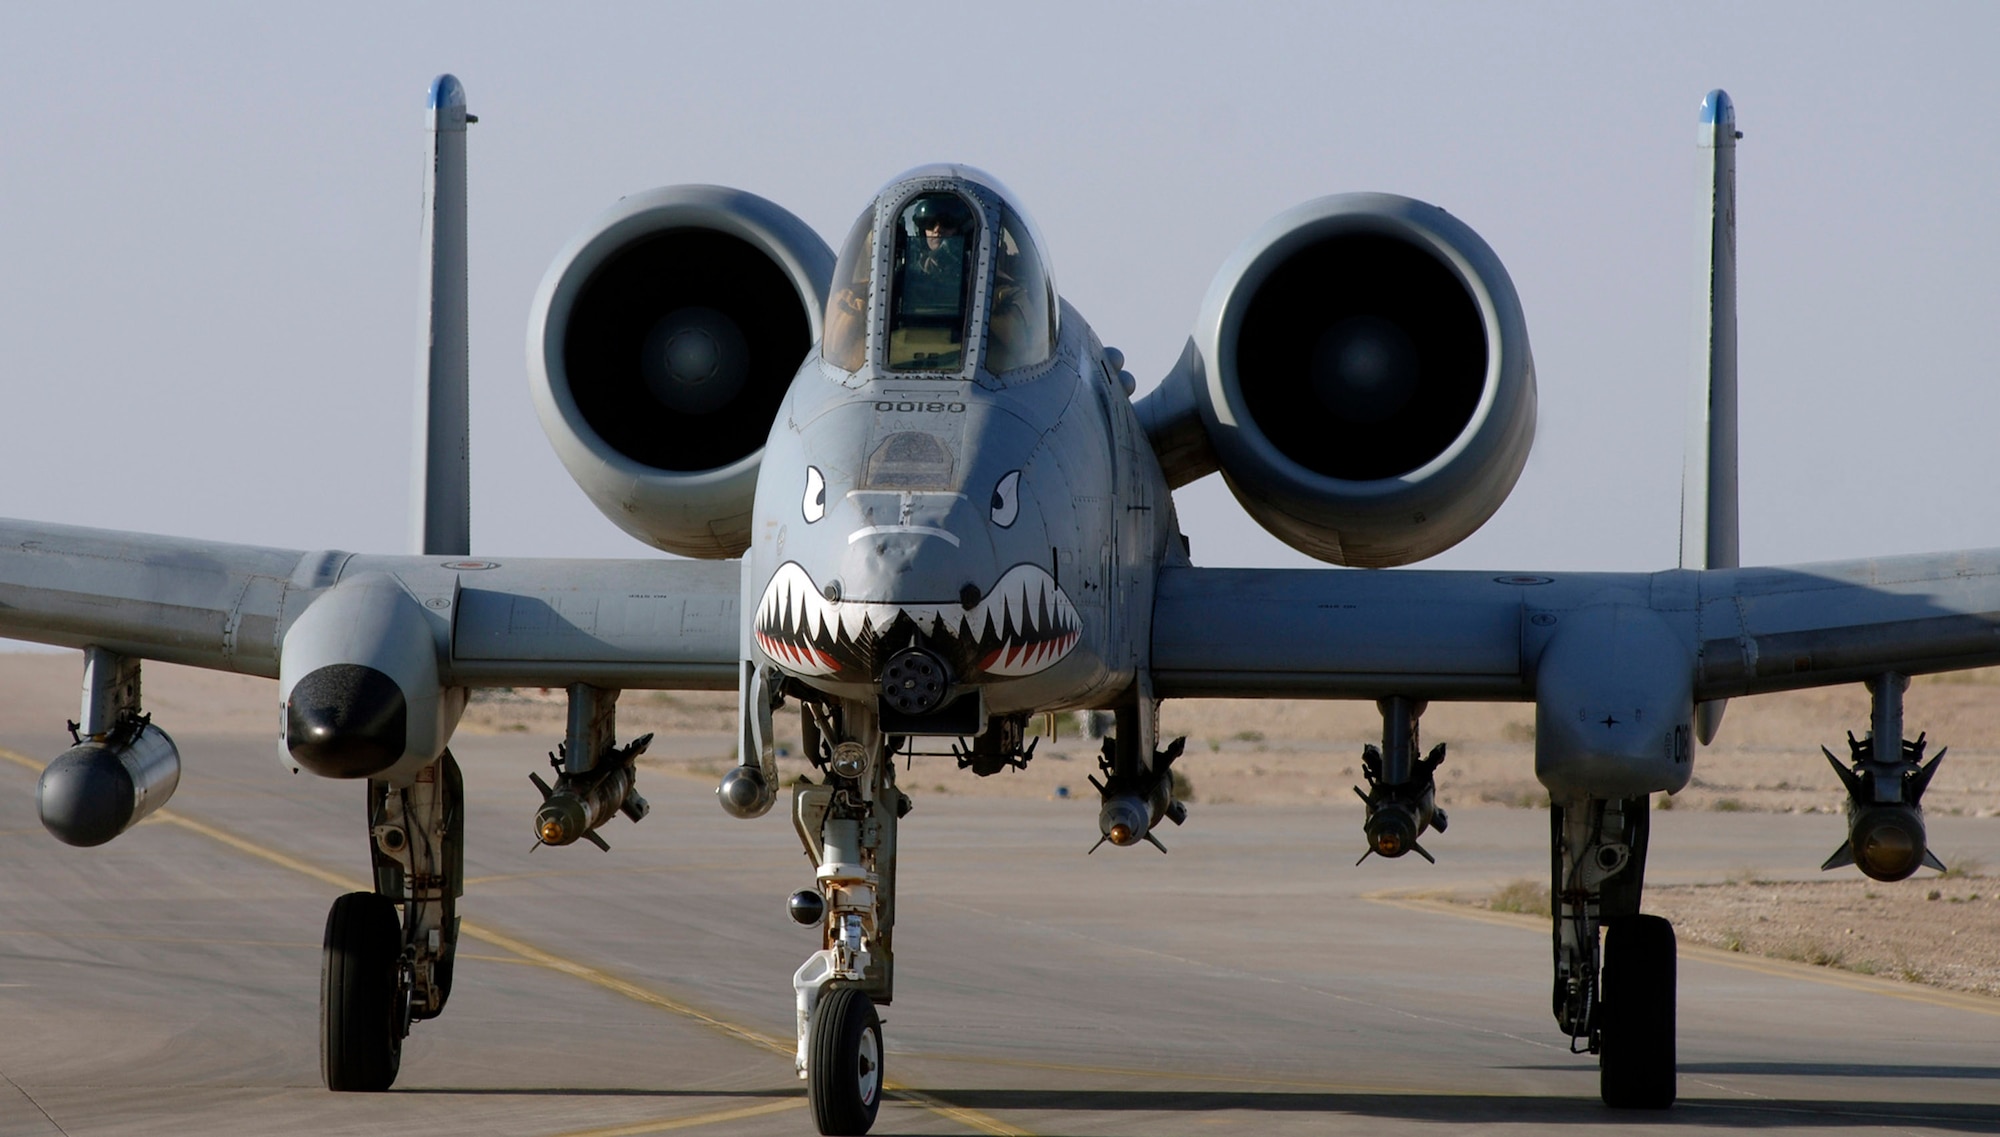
{"points": [[1709, 530], [441, 513]]}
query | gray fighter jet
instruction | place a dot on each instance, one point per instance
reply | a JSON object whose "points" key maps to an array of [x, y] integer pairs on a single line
{"points": [[922, 509]]}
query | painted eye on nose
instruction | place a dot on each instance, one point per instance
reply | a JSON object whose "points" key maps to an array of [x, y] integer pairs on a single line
{"points": [[1007, 499], [815, 506]]}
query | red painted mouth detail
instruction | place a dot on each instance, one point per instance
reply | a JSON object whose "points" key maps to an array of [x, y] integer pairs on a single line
{"points": [[1025, 624]]}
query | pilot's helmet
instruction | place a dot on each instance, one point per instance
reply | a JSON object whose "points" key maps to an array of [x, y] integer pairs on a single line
{"points": [[934, 210]]}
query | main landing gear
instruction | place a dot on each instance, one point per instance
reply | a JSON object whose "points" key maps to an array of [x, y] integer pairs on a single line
{"points": [[382, 971], [1616, 998]]}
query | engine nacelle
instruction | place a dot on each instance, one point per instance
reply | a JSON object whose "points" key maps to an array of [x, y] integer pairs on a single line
{"points": [[660, 344], [1360, 374], [99, 788]]}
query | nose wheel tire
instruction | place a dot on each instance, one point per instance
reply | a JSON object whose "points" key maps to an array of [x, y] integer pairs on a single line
{"points": [[844, 1063], [361, 1004], [1636, 1056]]}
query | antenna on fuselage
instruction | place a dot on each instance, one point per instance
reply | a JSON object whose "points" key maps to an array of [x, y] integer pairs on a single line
{"points": [[1709, 527], [441, 505]]}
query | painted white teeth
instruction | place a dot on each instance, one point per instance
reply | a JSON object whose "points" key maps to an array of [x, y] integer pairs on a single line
{"points": [[1025, 617]]}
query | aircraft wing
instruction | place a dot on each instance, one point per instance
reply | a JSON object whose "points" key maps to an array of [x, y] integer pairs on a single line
{"points": [[497, 621], [1319, 633]]}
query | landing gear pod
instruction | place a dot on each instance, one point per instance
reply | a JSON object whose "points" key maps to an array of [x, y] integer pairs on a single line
{"points": [[358, 680], [99, 788]]}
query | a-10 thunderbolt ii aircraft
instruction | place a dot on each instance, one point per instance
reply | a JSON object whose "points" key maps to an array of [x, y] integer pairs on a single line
{"points": [[923, 509]]}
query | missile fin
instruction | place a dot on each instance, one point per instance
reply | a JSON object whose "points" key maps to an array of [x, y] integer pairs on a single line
{"points": [[1420, 851], [1922, 780], [1093, 848], [1847, 777], [593, 838], [1841, 856], [1931, 860], [1155, 842], [541, 785]]}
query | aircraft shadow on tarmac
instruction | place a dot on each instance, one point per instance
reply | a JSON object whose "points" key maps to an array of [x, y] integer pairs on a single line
{"points": [[1842, 1070], [1764, 1113], [589, 1092], [1820, 1070]]}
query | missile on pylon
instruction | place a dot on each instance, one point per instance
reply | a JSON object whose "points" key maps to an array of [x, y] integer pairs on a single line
{"points": [[577, 804], [1885, 813]]}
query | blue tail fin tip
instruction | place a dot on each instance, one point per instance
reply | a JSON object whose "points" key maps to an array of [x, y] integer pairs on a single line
{"points": [[446, 91], [1718, 119]]}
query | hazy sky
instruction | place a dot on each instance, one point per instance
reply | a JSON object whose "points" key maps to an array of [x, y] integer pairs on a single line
{"points": [[209, 221]]}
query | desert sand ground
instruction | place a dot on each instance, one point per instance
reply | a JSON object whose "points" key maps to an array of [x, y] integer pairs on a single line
{"points": [[1940, 930]]}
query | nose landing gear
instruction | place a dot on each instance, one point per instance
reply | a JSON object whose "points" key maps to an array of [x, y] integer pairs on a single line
{"points": [[845, 1056], [847, 823]]}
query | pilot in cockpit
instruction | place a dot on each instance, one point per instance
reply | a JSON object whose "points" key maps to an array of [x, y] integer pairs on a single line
{"points": [[936, 268], [928, 304]]}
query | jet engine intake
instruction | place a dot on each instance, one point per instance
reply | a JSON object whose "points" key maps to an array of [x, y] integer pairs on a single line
{"points": [[99, 788], [660, 344], [1361, 374]]}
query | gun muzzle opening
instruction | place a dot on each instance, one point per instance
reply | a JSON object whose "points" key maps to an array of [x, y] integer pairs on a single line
{"points": [[915, 681]]}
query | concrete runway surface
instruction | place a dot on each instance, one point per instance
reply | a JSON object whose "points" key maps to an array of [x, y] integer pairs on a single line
{"points": [[168, 982]]}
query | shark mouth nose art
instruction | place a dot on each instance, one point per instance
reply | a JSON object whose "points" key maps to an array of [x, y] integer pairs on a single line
{"points": [[1023, 625]]}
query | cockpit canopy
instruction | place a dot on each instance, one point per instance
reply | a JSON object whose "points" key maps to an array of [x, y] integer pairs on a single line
{"points": [[940, 276]]}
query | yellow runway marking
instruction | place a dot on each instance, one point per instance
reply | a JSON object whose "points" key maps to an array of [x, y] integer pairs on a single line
{"points": [[1784, 969], [100, 937], [699, 1119], [597, 977]]}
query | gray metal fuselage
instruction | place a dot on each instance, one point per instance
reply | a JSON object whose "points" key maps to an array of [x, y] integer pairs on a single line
{"points": [[916, 550]]}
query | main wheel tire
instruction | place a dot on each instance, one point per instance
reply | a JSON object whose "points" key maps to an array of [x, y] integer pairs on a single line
{"points": [[844, 1063], [360, 1008], [1636, 1059]]}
